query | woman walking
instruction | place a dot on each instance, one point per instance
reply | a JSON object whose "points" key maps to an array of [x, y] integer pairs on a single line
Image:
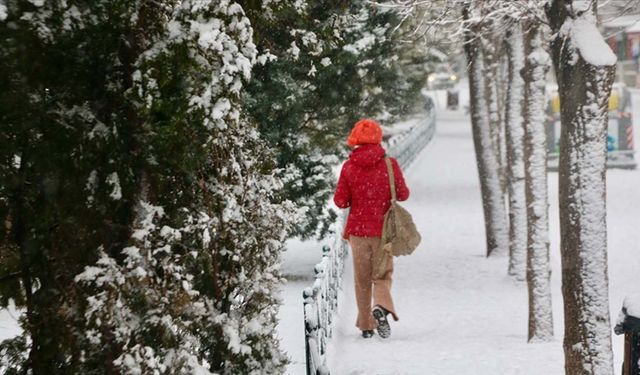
{"points": [[363, 186]]}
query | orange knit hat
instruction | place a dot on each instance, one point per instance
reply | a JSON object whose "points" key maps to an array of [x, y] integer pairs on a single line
{"points": [[365, 131]]}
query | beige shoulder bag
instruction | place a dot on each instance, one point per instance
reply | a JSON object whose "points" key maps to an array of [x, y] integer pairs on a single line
{"points": [[399, 233]]}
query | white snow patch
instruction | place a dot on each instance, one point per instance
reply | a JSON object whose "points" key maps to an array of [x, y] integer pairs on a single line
{"points": [[235, 9], [170, 233], [175, 30], [582, 5], [632, 305], [266, 57], [312, 71], [221, 108], [89, 273], [294, 50], [587, 39], [209, 34], [235, 341], [9, 322], [91, 185], [367, 41], [3, 12], [132, 252], [17, 161], [114, 181]]}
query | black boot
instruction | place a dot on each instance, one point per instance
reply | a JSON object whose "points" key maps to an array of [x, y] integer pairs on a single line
{"points": [[367, 334], [380, 314]]}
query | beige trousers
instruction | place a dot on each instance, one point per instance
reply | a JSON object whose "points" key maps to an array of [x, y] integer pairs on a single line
{"points": [[366, 287]]}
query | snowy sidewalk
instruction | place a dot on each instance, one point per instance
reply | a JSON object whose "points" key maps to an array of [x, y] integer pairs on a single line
{"points": [[297, 267], [459, 312]]}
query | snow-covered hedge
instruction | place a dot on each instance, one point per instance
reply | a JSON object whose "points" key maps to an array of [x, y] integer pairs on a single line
{"points": [[143, 206]]}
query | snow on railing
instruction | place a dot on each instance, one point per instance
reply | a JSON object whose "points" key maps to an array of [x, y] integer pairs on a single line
{"points": [[407, 146], [629, 325], [321, 300]]}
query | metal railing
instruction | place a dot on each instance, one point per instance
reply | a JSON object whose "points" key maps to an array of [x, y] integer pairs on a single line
{"points": [[321, 300], [405, 148]]}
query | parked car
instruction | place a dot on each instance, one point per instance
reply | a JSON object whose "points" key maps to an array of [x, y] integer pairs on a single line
{"points": [[620, 145]]}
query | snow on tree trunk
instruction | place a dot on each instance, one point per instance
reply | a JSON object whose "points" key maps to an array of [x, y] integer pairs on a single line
{"points": [[496, 228], [492, 87], [585, 69], [538, 269], [515, 156], [502, 75]]}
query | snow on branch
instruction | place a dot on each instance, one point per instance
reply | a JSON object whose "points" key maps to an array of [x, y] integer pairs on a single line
{"points": [[443, 19], [3, 11]]}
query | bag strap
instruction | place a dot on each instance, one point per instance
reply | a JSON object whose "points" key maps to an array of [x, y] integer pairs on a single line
{"points": [[392, 180]]}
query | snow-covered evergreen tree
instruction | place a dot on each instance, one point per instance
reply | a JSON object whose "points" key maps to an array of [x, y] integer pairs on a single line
{"points": [[137, 197]]}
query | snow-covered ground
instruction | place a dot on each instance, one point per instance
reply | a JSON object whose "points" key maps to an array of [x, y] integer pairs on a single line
{"points": [[297, 267], [458, 310], [298, 262]]}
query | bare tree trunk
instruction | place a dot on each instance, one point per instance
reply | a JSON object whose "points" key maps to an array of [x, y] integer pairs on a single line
{"points": [[486, 155], [585, 69], [538, 269], [515, 156]]}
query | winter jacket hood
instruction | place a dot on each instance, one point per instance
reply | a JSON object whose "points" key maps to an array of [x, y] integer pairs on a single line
{"points": [[367, 155]]}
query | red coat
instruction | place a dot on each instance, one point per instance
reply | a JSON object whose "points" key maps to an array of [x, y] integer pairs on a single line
{"points": [[364, 186]]}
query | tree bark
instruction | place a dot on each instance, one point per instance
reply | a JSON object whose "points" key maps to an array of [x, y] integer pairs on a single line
{"points": [[538, 269], [491, 54], [486, 152], [502, 74], [514, 133], [584, 86]]}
